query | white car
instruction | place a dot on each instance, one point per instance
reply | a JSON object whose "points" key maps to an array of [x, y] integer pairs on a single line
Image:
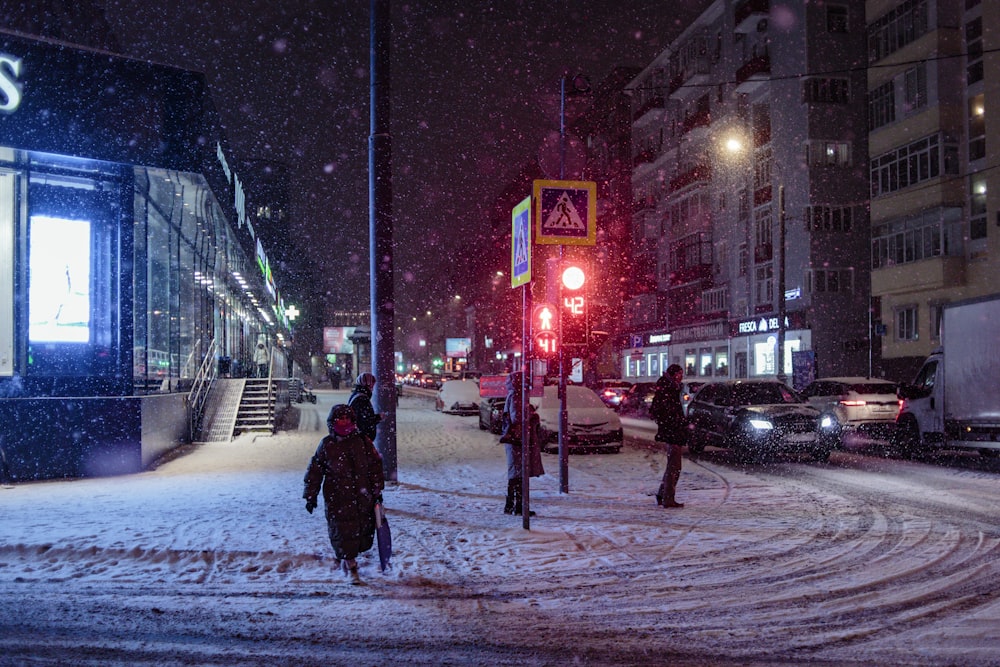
{"points": [[864, 405], [590, 423], [458, 397]]}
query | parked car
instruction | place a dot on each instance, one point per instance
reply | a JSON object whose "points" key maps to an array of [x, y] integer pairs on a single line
{"points": [[688, 389], [755, 418], [491, 414], [458, 397], [856, 404], [637, 399], [590, 423], [611, 392]]}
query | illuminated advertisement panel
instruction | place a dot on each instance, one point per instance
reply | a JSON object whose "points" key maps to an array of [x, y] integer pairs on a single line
{"points": [[59, 283]]}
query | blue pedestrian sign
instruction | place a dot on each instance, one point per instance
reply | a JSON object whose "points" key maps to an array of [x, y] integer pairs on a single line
{"points": [[565, 212], [520, 244]]}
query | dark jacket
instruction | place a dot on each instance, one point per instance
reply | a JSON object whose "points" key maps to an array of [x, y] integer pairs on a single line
{"points": [[349, 469], [365, 416], [666, 411]]}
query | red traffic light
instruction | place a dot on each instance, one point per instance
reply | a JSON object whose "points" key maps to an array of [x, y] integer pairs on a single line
{"points": [[573, 277]]}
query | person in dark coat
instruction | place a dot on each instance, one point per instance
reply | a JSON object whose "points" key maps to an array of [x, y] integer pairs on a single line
{"points": [[361, 401], [671, 429], [349, 469], [511, 440]]}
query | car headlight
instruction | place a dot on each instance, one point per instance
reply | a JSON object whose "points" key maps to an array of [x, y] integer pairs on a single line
{"points": [[826, 421], [761, 424]]}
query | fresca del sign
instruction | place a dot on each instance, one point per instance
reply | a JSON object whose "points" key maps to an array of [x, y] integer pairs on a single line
{"points": [[10, 84]]}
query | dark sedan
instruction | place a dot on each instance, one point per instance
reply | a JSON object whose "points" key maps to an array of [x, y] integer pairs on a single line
{"points": [[755, 418], [637, 399], [491, 414]]}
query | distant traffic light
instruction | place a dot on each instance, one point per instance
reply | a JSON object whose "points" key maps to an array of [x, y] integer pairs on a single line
{"points": [[574, 304], [544, 331]]}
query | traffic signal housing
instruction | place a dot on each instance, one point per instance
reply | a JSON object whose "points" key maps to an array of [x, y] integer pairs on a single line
{"points": [[573, 312], [544, 331]]}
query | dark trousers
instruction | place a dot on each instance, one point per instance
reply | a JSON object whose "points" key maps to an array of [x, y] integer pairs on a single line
{"points": [[673, 473]]}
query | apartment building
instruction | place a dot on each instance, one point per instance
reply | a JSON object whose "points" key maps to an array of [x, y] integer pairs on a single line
{"points": [[933, 162], [750, 185]]}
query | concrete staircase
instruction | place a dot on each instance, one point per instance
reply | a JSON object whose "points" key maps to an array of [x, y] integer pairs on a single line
{"points": [[256, 410]]}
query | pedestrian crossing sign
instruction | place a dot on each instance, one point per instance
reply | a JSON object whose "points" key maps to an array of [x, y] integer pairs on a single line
{"points": [[520, 243], [565, 212]]}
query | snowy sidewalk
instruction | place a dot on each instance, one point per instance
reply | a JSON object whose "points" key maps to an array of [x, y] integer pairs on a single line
{"points": [[211, 558]]}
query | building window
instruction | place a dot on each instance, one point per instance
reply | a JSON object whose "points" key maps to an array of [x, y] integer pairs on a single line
{"points": [[915, 88], [898, 27], [715, 300], [913, 163], [937, 315], [830, 153], [826, 90], [939, 232], [977, 207], [764, 284], [837, 18], [763, 234], [906, 323], [744, 259], [830, 218], [977, 127], [830, 280], [974, 49], [882, 105]]}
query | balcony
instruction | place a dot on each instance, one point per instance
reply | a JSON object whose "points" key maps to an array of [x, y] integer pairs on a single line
{"points": [[695, 72], [649, 104], [696, 174], [922, 275], [749, 13], [754, 72], [645, 155], [702, 118]]}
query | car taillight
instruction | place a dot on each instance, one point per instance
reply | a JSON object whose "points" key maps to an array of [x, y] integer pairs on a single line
{"points": [[854, 404]]}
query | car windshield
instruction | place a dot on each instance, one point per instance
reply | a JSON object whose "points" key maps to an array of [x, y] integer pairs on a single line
{"points": [[874, 388], [764, 393]]}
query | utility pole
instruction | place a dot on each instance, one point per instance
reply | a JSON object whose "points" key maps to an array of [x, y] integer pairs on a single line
{"points": [[380, 238]]}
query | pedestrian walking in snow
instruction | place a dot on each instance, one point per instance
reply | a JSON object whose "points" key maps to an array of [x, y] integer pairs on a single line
{"points": [[348, 469], [361, 401], [671, 429]]}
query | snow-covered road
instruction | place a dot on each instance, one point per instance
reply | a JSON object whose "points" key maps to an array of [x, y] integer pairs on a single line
{"points": [[212, 559]]}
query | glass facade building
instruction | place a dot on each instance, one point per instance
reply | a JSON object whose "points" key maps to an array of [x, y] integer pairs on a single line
{"points": [[127, 259]]}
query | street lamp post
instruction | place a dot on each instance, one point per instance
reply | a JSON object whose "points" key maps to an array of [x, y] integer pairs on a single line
{"points": [[780, 356]]}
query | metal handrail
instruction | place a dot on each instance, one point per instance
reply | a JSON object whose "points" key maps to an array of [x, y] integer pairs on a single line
{"points": [[201, 387]]}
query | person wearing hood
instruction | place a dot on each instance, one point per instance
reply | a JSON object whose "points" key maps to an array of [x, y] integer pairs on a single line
{"points": [[348, 470], [361, 402], [511, 440]]}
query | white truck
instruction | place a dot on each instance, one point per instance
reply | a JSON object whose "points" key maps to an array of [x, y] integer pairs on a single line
{"points": [[954, 402]]}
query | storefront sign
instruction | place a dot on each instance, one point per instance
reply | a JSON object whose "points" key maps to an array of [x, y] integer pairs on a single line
{"points": [[657, 339], [766, 324], [10, 86], [701, 332]]}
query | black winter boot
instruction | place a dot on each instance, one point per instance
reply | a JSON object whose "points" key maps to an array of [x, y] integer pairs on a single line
{"points": [[512, 497]]}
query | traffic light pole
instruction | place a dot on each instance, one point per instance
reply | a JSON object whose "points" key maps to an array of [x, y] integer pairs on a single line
{"points": [[526, 360], [563, 415]]}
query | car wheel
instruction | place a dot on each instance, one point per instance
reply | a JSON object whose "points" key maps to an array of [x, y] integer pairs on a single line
{"points": [[821, 454], [696, 444], [906, 438]]}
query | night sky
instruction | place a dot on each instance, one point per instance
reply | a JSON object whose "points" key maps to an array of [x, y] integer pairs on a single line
{"points": [[475, 90]]}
